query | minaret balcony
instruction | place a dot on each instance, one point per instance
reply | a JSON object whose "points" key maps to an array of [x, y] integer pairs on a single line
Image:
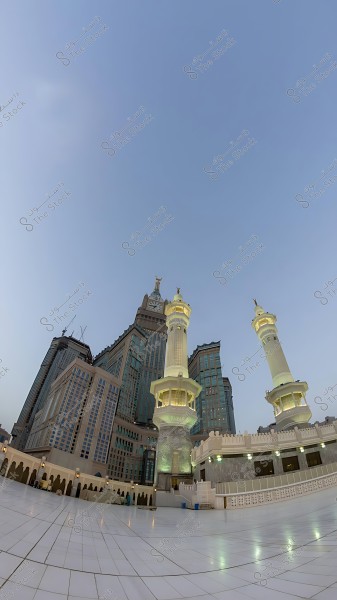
{"points": [[176, 416], [293, 388]]}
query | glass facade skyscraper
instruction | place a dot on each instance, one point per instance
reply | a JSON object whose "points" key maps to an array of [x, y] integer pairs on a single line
{"points": [[61, 353], [136, 359], [151, 318], [214, 405]]}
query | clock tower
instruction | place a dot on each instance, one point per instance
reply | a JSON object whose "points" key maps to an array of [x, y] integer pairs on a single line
{"points": [[151, 314], [152, 319]]}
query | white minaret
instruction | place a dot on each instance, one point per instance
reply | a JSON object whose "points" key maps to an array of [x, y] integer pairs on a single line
{"points": [[288, 395], [175, 395]]}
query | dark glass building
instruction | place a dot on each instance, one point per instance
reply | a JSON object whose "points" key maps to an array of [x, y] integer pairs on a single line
{"points": [[214, 405], [136, 358], [151, 318]]}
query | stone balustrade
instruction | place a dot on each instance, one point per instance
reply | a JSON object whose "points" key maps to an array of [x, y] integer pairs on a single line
{"points": [[256, 492], [23, 468], [260, 442]]}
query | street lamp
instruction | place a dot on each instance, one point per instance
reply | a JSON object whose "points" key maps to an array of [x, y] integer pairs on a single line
{"points": [[43, 461], [77, 472]]}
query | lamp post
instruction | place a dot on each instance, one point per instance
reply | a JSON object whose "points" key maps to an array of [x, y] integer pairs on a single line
{"points": [[3, 452]]}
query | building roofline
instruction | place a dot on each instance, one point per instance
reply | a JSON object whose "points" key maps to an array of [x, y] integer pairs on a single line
{"points": [[124, 334], [203, 347]]}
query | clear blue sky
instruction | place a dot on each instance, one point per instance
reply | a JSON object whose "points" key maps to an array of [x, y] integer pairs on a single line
{"points": [[57, 135]]}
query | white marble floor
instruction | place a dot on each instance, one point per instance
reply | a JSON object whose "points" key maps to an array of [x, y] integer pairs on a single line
{"points": [[59, 548]]}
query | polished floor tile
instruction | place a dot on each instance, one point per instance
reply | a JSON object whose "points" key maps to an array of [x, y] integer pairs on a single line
{"points": [[280, 552]]}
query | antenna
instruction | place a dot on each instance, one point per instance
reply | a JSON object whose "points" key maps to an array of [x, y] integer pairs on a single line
{"points": [[66, 328], [82, 332]]}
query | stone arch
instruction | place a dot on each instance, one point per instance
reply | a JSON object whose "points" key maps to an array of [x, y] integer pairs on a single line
{"points": [[69, 487], [122, 494], [63, 485], [32, 477], [90, 488], [78, 491], [150, 503], [44, 477], [101, 490], [145, 500], [18, 472], [4, 466], [85, 486], [56, 484], [118, 491], [25, 475], [95, 488], [51, 479], [11, 470], [134, 497]]}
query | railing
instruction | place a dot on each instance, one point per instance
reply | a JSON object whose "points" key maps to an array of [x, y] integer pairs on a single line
{"points": [[241, 444], [245, 494]]}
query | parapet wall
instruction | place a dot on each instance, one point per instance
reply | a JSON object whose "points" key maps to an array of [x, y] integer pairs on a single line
{"points": [[228, 444], [23, 468]]}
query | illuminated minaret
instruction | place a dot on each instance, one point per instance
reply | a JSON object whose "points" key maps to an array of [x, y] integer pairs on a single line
{"points": [[288, 396], [175, 394]]}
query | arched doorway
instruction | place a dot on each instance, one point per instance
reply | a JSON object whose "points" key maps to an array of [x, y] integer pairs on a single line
{"points": [[56, 484], [32, 477], [25, 475], [4, 467], [69, 487], [11, 471]]}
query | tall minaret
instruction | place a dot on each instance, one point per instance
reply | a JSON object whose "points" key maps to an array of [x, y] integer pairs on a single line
{"points": [[288, 396], [175, 395]]}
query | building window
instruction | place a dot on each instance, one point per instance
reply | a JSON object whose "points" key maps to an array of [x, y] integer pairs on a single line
{"points": [[290, 464], [263, 467], [313, 459]]}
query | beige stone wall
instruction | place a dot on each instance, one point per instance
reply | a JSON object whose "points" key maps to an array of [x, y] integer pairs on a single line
{"points": [[16, 459]]}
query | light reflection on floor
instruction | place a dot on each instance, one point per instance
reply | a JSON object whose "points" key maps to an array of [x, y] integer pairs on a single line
{"points": [[282, 551]]}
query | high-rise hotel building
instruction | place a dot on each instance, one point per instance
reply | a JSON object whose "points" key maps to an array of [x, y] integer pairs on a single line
{"points": [[62, 352], [74, 427], [136, 358], [214, 405]]}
